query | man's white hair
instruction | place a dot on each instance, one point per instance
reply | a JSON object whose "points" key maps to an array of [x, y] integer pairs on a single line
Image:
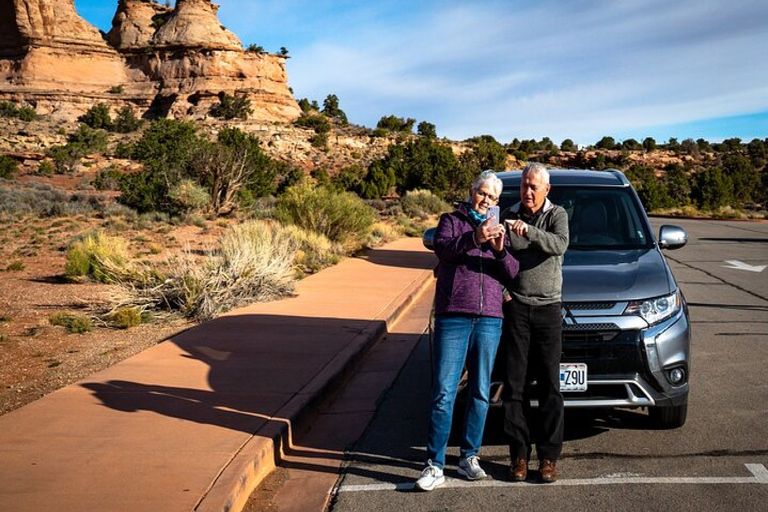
{"points": [[537, 169]]}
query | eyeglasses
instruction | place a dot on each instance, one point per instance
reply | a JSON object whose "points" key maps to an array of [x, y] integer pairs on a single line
{"points": [[485, 195]]}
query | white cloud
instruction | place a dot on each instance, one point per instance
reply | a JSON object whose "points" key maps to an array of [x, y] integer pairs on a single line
{"points": [[579, 69]]}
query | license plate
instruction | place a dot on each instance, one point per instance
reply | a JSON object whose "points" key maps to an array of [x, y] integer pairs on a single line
{"points": [[573, 377]]}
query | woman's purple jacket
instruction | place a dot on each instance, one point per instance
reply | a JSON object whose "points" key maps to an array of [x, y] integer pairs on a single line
{"points": [[469, 277]]}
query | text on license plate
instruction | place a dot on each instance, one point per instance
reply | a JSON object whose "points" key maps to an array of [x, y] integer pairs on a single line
{"points": [[573, 377]]}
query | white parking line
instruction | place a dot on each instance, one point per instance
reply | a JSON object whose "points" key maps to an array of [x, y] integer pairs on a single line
{"points": [[759, 476]]}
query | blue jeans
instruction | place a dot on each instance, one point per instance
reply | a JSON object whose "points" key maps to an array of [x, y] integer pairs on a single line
{"points": [[459, 339]]}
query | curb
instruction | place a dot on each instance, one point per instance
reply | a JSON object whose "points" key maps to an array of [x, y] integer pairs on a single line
{"points": [[262, 453]]}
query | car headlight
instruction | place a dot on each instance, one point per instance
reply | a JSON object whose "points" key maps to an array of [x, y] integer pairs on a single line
{"points": [[655, 310]]}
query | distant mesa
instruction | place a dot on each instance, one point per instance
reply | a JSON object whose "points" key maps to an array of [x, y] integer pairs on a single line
{"points": [[161, 62]]}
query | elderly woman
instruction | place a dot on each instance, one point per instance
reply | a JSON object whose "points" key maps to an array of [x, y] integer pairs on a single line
{"points": [[468, 315]]}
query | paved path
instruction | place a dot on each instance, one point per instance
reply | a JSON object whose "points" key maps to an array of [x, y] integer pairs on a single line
{"points": [[197, 421]]}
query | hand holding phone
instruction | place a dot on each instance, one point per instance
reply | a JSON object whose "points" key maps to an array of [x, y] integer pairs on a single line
{"points": [[492, 214]]}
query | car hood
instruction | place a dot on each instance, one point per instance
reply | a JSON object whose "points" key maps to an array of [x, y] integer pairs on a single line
{"points": [[592, 276]]}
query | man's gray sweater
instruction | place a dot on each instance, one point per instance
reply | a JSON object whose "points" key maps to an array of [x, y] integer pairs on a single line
{"points": [[540, 279]]}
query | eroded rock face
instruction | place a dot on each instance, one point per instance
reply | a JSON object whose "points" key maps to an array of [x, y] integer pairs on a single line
{"points": [[195, 24], [57, 62], [47, 22], [134, 24]]}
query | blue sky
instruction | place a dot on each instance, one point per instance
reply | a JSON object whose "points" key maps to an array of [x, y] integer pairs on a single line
{"points": [[525, 69]]}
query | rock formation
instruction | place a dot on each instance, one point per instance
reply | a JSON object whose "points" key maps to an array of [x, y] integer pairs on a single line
{"points": [[161, 62], [134, 24]]}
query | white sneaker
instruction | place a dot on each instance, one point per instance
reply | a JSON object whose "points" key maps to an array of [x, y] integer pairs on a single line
{"points": [[431, 477], [470, 468]]}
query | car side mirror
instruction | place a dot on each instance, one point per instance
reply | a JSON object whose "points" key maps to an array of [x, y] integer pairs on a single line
{"points": [[428, 238], [672, 237]]}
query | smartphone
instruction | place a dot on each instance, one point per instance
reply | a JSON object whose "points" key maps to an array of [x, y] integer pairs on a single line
{"points": [[493, 213]]}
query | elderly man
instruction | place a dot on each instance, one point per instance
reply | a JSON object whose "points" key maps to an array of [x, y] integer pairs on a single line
{"points": [[538, 238]]}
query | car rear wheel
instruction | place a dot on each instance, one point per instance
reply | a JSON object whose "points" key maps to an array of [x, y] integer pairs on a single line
{"points": [[668, 417]]}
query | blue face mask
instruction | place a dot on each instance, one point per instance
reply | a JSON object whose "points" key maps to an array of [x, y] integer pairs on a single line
{"points": [[475, 217]]}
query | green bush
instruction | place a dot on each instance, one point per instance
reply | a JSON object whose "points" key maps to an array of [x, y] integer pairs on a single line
{"points": [[124, 318], [126, 121], [167, 149], [25, 113], [99, 256], [77, 324], [46, 168], [97, 117], [422, 203], [341, 216], [108, 179], [232, 107], [8, 167], [396, 124], [15, 266]]}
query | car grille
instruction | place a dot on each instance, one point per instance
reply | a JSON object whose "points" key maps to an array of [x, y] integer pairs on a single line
{"points": [[589, 306], [606, 352]]}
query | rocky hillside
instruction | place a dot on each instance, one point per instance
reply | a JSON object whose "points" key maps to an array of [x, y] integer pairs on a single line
{"points": [[158, 61]]}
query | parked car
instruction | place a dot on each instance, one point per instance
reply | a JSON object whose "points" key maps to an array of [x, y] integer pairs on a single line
{"points": [[626, 331]]}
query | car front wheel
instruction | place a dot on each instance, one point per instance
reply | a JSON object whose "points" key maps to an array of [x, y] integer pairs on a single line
{"points": [[668, 417]]}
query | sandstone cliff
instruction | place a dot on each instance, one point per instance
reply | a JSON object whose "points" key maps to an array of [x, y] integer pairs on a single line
{"points": [[161, 62]]}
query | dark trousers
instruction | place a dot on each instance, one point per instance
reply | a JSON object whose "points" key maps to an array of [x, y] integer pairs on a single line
{"points": [[532, 335]]}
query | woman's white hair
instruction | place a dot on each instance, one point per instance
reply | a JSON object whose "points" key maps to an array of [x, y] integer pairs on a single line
{"points": [[488, 177]]}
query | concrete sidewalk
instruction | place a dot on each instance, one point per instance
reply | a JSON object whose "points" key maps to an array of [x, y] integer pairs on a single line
{"points": [[196, 422]]}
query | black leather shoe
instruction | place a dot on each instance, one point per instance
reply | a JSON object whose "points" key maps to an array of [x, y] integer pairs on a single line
{"points": [[518, 471], [548, 471]]}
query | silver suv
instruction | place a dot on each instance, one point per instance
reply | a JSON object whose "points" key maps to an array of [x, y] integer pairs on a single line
{"points": [[626, 332]]}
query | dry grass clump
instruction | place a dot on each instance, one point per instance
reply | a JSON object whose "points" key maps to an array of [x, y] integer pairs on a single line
{"points": [[253, 263], [315, 251], [102, 257], [78, 324], [422, 204], [383, 233]]}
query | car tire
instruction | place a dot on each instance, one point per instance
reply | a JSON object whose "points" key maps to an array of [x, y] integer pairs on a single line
{"points": [[668, 417]]}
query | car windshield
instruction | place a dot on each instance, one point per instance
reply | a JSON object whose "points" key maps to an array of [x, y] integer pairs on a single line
{"points": [[598, 217]]}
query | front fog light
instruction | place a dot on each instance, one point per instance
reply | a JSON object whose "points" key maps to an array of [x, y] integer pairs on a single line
{"points": [[676, 375]]}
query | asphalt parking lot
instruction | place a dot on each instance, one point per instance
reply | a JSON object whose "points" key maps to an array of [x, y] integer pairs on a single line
{"points": [[612, 460]]}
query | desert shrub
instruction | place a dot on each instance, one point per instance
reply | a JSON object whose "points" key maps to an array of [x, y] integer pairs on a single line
{"points": [[46, 168], [232, 107], [423, 203], [108, 179], [314, 250], [97, 117], [66, 158], [126, 121], [382, 233], [91, 140], [413, 227], [99, 256], [24, 113], [167, 149], [253, 263], [45, 201], [15, 266], [395, 124], [188, 196], [77, 324], [8, 167], [119, 210], [116, 89], [124, 318], [341, 216]]}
